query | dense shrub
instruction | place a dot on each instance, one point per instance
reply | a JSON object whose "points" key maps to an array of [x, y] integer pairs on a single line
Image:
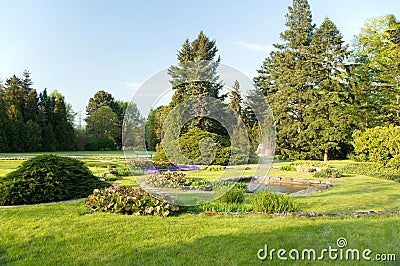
{"points": [[270, 202], [169, 179], [215, 168], [310, 163], [287, 168], [394, 162], [379, 145], [233, 195], [309, 166], [190, 146], [140, 164], [127, 200], [99, 143], [47, 178], [123, 171], [329, 173], [201, 184], [373, 170], [220, 207]]}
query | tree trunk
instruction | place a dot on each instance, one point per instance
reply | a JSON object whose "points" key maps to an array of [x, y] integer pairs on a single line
{"points": [[326, 154]]}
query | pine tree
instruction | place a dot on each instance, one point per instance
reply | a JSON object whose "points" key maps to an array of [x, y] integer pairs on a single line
{"points": [[328, 116], [285, 79], [64, 132], [196, 75], [236, 99], [3, 123], [14, 100]]}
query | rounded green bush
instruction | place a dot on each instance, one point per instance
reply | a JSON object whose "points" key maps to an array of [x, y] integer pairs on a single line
{"points": [[329, 173], [233, 195], [47, 178], [271, 202]]}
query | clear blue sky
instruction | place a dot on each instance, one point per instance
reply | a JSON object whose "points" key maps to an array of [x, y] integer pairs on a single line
{"points": [[80, 47]]}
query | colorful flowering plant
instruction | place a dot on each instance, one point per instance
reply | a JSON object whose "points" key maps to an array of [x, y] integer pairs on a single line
{"points": [[169, 179]]}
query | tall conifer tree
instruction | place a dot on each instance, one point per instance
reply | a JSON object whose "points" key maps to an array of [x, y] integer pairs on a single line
{"points": [[285, 79]]}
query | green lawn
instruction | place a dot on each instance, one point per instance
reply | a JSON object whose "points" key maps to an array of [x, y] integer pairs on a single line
{"points": [[67, 234]]}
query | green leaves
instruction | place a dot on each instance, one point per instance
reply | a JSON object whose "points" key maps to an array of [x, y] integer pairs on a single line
{"points": [[305, 83], [127, 200], [169, 180], [380, 145], [270, 202]]}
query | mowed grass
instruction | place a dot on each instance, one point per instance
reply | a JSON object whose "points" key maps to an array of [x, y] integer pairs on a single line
{"points": [[66, 234], [7, 166]]}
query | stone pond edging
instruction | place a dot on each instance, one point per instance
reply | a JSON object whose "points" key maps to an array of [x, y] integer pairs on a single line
{"points": [[314, 185]]}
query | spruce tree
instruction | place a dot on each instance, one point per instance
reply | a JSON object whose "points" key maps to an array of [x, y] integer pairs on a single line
{"points": [[46, 107], [196, 72], [285, 79], [3, 123], [196, 75], [328, 115], [236, 99], [64, 132], [15, 103]]}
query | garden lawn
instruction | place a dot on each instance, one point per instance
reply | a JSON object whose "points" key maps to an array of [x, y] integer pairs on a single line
{"points": [[356, 193], [66, 234]]}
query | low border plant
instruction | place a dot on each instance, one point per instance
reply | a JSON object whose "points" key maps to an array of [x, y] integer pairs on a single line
{"points": [[127, 200], [329, 173], [271, 202]]}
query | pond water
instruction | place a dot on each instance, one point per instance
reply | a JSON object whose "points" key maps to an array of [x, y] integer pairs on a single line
{"points": [[281, 188]]}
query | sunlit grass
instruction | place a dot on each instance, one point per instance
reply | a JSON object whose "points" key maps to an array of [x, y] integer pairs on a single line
{"points": [[66, 234]]}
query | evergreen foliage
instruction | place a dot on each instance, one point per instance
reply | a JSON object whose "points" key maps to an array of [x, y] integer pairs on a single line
{"points": [[31, 122], [47, 178], [305, 82]]}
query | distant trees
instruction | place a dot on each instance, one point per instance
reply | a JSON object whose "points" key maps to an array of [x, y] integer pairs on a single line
{"points": [[105, 117], [319, 89], [32, 122]]}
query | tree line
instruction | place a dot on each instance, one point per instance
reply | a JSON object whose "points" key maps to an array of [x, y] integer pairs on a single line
{"points": [[320, 90], [32, 122]]}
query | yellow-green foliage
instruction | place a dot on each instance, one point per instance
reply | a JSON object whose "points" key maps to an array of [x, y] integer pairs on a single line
{"points": [[380, 145]]}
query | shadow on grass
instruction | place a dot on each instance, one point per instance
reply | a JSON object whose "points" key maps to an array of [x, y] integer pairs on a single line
{"points": [[242, 248], [206, 246], [3, 256]]}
